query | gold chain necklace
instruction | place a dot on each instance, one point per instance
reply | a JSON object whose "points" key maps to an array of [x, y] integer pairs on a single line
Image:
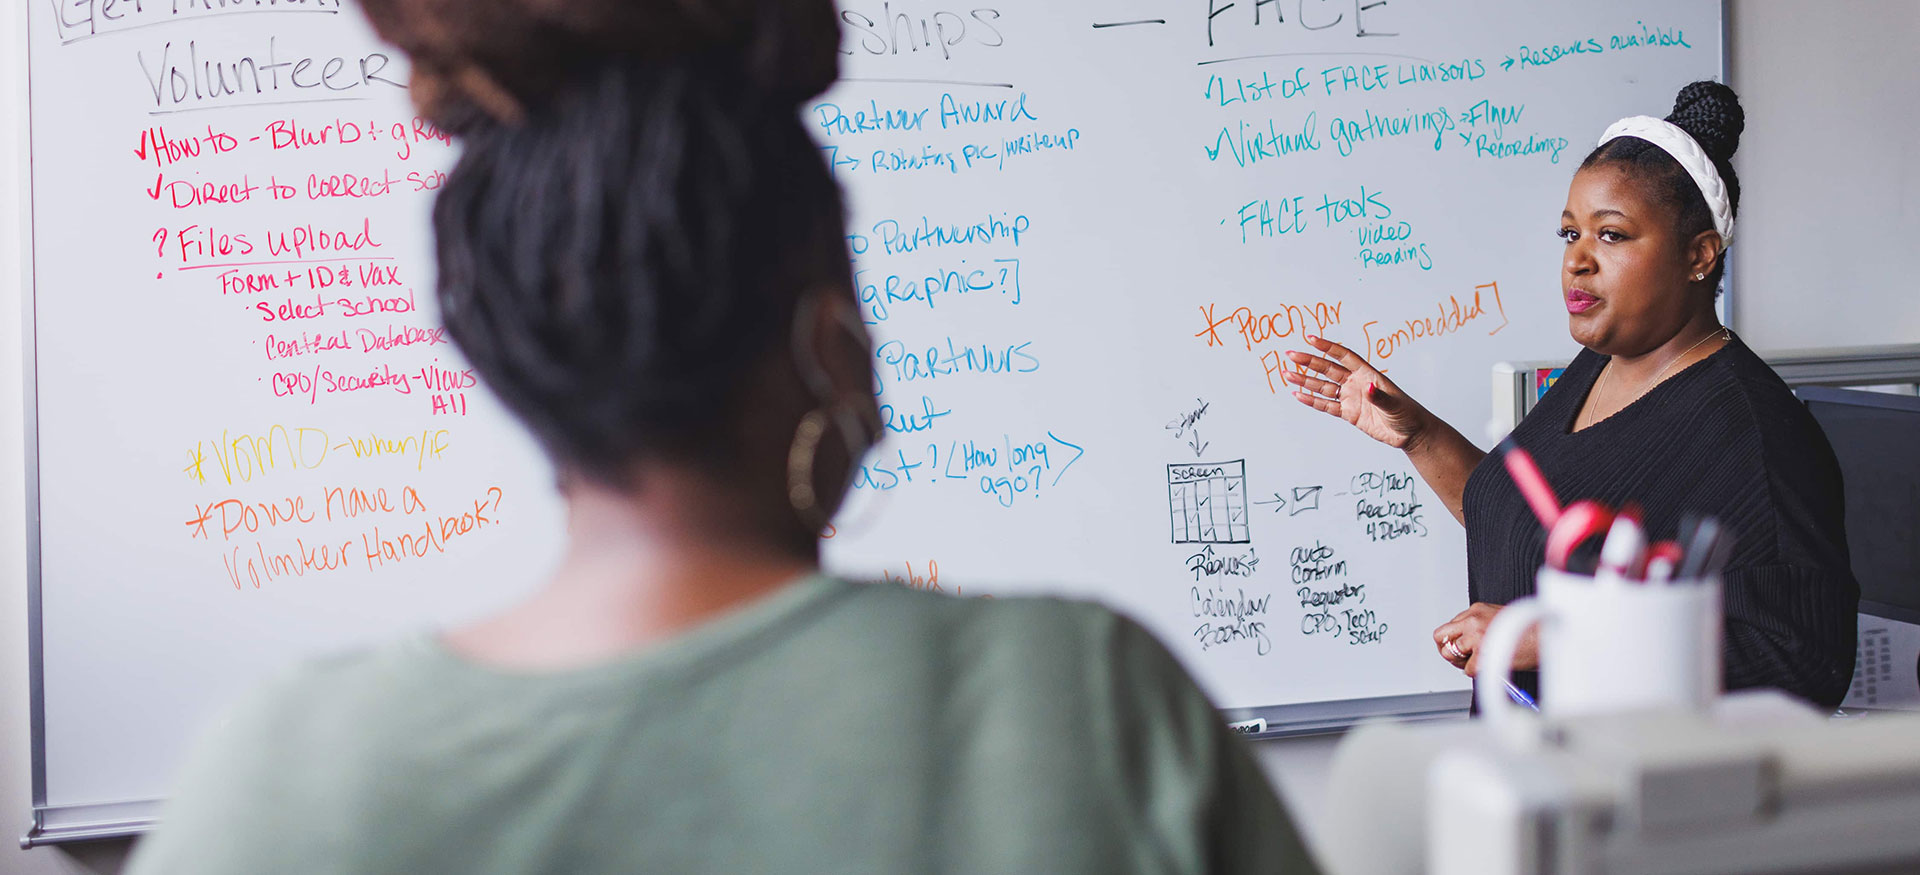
{"points": [[1724, 332]]}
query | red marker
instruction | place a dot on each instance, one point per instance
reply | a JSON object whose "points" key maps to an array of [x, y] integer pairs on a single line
{"points": [[1533, 484], [1580, 521]]}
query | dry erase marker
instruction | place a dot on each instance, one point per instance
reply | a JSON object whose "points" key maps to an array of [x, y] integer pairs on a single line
{"points": [[1701, 545], [1620, 556], [1532, 484], [1580, 521], [1662, 559], [1717, 559]]}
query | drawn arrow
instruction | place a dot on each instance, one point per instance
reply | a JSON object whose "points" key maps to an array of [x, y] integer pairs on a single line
{"points": [[1507, 64], [1279, 504], [1077, 453]]}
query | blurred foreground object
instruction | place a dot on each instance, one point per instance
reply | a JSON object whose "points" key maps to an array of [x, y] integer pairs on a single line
{"points": [[1758, 784]]}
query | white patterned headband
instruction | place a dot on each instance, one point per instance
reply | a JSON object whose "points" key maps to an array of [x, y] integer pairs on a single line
{"points": [[1687, 151]]}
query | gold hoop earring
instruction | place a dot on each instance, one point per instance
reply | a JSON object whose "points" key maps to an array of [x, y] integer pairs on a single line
{"points": [[801, 456], [804, 452]]}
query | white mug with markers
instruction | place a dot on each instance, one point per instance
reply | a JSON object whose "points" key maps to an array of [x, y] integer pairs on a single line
{"points": [[1643, 631]]}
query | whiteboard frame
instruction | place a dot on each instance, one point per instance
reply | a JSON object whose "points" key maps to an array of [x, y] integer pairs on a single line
{"points": [[89, 823], [55, 825], [1336, 716], [22, 171]]}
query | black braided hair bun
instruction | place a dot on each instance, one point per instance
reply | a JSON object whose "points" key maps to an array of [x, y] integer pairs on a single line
{"points": [[635, 215], [1710, 112], [498, 60]]}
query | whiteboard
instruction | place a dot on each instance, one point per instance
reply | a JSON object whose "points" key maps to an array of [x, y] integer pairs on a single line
{"points": [[253, 443], [1086, 232], [1081, 232]]}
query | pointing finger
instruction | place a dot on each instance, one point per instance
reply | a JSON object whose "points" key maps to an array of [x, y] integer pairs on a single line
{"points": [[1338, 353], [1323, 388], [1319, 365], [1324, 405]]}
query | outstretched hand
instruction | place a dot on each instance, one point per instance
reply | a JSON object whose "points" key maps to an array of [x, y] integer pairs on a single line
{"points": [[1341, 383]]}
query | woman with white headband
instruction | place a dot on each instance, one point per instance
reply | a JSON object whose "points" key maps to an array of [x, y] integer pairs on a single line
{"points": [[1664, 407]]}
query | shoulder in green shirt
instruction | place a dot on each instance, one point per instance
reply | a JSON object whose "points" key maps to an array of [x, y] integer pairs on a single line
{"points": [[830, 727]]}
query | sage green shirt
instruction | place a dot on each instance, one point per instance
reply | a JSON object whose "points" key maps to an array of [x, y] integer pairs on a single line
{"points": [[830, 727]]}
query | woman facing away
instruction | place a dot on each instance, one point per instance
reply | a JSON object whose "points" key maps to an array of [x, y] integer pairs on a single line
{"points": [[642, 253]]}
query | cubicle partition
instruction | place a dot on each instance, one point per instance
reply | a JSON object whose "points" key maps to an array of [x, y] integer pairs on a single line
{"points": [[1518, 386]]}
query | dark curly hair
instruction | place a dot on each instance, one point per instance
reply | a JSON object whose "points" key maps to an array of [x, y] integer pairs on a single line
{"points": [[636, 213], [1710, 113]]}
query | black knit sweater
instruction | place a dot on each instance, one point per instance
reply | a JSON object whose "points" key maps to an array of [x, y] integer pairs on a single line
{"points": [[1724, 437]]}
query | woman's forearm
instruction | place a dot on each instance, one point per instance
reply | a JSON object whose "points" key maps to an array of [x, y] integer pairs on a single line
{"points": [[1445, 459]]}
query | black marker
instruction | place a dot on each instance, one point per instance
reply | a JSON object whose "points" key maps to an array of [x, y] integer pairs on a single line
{"points": [[1700, 547]]}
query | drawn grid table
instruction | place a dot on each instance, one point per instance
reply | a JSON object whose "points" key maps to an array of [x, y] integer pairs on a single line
{"points": [[1208, 503]]}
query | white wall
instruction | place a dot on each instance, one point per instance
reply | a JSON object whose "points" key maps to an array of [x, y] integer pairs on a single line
{"points": [[1830, 215]]}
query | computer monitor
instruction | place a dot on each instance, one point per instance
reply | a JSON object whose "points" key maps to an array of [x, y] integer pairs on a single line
{"points": [[1877, 439]]}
